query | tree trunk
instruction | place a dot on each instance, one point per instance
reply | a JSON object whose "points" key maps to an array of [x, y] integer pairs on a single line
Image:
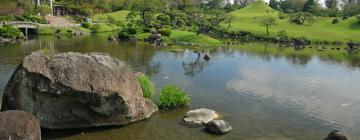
{"points": [[267, 30]]}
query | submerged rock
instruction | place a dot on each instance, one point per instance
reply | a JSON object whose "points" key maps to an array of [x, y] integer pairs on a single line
{"points": [[336, 135], [74, 90], [218, 127], [199, 117], [19, 125]]}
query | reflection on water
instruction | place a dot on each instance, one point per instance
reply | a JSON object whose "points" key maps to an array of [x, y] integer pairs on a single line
{"points": [[265, 92]]}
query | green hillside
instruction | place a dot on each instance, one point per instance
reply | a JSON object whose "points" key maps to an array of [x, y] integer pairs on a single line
{"points": [[248, 19], [119, 15]]}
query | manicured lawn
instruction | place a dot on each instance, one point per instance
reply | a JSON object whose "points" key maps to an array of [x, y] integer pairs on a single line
{"points": [[119, 16], [190, 37], [248, 19]]}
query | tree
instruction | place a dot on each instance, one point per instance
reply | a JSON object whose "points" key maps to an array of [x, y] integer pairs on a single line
{"points": [[146, 9], [309, 5], [331, 4], [268, 22], [302, 17], [229, 19], [43, 9], [274, 4]]}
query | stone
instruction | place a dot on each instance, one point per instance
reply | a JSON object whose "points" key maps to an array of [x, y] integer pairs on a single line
{"points": [[74, 90], [19, 125], [112, 38], [218, 127], [336, 135], [199, 117]]}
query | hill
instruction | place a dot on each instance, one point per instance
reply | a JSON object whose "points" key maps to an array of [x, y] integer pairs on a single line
{"points": [[249, 18], [119, 16]]}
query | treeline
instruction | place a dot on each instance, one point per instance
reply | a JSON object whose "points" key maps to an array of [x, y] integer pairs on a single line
{"points": [[332, 8]]}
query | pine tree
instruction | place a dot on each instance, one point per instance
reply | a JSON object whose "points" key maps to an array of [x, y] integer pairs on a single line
{"points": [[309, 5]]}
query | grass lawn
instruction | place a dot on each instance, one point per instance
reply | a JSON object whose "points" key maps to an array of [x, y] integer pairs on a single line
{"points": [[249, 18], [190, 37], [63, 31], [119, 16]]}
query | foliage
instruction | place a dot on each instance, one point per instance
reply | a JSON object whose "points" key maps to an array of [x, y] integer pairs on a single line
{"points": [[282, 35], [302, 17], [309, 5], [33, 18], [7, 18], [95, 28], [147, 86], [10, 32], [128, 32], [44, 9], [111, 19], [358, 18], [268, 22], [164, 19], [172, 97], [165, 31], [86, 25], [335, 21], [87, 12], [146, 9]]}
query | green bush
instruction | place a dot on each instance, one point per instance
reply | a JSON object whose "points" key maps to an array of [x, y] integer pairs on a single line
{"points": [[164, 19], [165, 31], [34, 18], [172, 97], [87, 12], [7, 18], [127, 32], [147, 86], [335, 21], [10, 32], [86, 25], [95, 28]]}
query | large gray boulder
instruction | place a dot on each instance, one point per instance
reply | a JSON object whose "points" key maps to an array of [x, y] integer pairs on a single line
{"points": [[74, 90], [19, 125], [336, 135]]}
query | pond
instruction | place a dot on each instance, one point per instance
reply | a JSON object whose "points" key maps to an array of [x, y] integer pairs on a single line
{"points": [[265, 92]]}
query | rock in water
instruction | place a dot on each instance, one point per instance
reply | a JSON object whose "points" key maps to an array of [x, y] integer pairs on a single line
{"points": [[74, 90], [336, 135], [199, 117], [218, 127], [19, 125]]}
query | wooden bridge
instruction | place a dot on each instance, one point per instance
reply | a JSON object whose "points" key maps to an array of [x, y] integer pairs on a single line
{"points": [[21, 25]]}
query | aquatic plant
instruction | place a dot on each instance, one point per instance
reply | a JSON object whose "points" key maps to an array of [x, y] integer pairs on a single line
{"points": [[147, 86], [172, 97]]}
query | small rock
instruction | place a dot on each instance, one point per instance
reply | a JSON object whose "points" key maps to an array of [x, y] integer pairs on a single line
{"points": [[336, 135], [207, 57], [19, 125], [112, 38], [199, 117], [218, 127]]}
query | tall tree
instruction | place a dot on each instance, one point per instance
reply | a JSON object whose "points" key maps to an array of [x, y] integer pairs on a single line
{"points": [[309, 5], [267, 23], [331, 3], [146, 9], [274, 4]]}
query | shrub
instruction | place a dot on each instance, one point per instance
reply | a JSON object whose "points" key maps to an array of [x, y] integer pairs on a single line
{"points": [[345, 17], [127, 32], [87, 12], [95, 28], [282, 35], [165, 31], [164, 19], [10, 32], [147, 86], [86, 25], [358, 18], [58, 31], [335, 21], [43, 9], [172, 97], [165, 39]]}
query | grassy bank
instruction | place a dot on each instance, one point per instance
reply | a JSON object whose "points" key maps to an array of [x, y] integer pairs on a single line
{"points": [[249, 18], [60, 30]]}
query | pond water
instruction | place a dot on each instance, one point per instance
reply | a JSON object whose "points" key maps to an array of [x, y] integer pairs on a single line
{"points": [[266, 93]]}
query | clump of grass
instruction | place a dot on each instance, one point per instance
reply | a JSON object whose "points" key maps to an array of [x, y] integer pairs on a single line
{"points": [[172, 97], [147, 86]]}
